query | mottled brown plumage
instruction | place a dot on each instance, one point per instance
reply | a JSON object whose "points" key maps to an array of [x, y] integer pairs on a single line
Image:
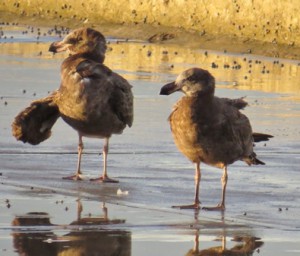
{"points": [[92, 99], [209, 129]]}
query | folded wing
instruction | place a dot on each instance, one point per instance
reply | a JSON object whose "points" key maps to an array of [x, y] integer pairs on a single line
{"points": [[121, 100]]}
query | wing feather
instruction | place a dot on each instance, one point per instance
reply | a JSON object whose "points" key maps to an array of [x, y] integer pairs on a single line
{"points": [[34, 123]]}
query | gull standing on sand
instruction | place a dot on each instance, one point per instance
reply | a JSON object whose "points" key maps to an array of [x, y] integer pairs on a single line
{"points": [[209, 129], [92, 99]]}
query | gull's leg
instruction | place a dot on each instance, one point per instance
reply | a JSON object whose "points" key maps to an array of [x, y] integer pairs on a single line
{"points": [[224, 180], [105, 211], [195, 250], [77, 175], [79, 209], [104, 177], [196, 204], [221, 206]]}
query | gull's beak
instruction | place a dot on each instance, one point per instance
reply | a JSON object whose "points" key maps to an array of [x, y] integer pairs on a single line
{"points": [[169, 88], [58, 47]]}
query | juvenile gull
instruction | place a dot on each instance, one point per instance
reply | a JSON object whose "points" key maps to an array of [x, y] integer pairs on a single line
{"points": [[209, 129], [92, 99]]}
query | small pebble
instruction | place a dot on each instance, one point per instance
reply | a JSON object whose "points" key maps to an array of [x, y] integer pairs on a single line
{"points": [[214, 65]]}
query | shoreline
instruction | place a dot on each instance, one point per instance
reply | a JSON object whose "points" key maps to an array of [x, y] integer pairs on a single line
{"points": [[162, 34]]}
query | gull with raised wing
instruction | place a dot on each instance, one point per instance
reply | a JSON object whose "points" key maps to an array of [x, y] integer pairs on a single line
{"points": [[92, 99]]}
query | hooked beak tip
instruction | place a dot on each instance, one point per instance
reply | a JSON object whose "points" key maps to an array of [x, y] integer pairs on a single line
{"points": [[52, 48], [163, 92], [56, 47]]}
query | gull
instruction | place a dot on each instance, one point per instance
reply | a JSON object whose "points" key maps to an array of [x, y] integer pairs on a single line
{"points": [[92, 99], [208, 129]]}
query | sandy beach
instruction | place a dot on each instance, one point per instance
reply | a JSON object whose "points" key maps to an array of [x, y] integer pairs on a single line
{"points": [[41, 214]]}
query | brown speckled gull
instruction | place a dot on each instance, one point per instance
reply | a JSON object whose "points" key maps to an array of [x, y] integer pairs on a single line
{"points": [[209, 129], [92, 99]]}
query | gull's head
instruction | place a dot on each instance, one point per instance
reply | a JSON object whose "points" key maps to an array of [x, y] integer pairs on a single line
{"points": [[192, 82], [82, 40]]}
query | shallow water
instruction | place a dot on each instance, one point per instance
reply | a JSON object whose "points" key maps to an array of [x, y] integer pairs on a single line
{"points": [[41, 214]]}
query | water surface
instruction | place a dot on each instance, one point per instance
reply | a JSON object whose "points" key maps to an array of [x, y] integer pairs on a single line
{"points": [[41, 214]]}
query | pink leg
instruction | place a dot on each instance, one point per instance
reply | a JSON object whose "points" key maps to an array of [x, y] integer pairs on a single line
{"points": [[77, 175], [196, 204], [220, 206], [104, 177]]}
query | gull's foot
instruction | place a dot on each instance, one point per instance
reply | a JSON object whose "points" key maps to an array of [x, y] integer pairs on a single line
{"points": [[105, 179], [73, 177], [219, 207], [195, 206]]}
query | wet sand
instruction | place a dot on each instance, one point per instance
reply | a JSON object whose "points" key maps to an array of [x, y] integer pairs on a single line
{"points": [[191, 38], [41, 214], [264, 27]]}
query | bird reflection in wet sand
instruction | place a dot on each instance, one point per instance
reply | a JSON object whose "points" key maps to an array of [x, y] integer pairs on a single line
{"points": [[87, 237], [246, 246], [209, 129], [94, 220], [92, 99]]}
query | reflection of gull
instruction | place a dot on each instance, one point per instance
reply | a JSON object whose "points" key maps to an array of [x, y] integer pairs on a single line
{"points": [[31, 242], [245, 247], [92, 99], [209, 129], [94, 220], [105, 242], [88, 237]]}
